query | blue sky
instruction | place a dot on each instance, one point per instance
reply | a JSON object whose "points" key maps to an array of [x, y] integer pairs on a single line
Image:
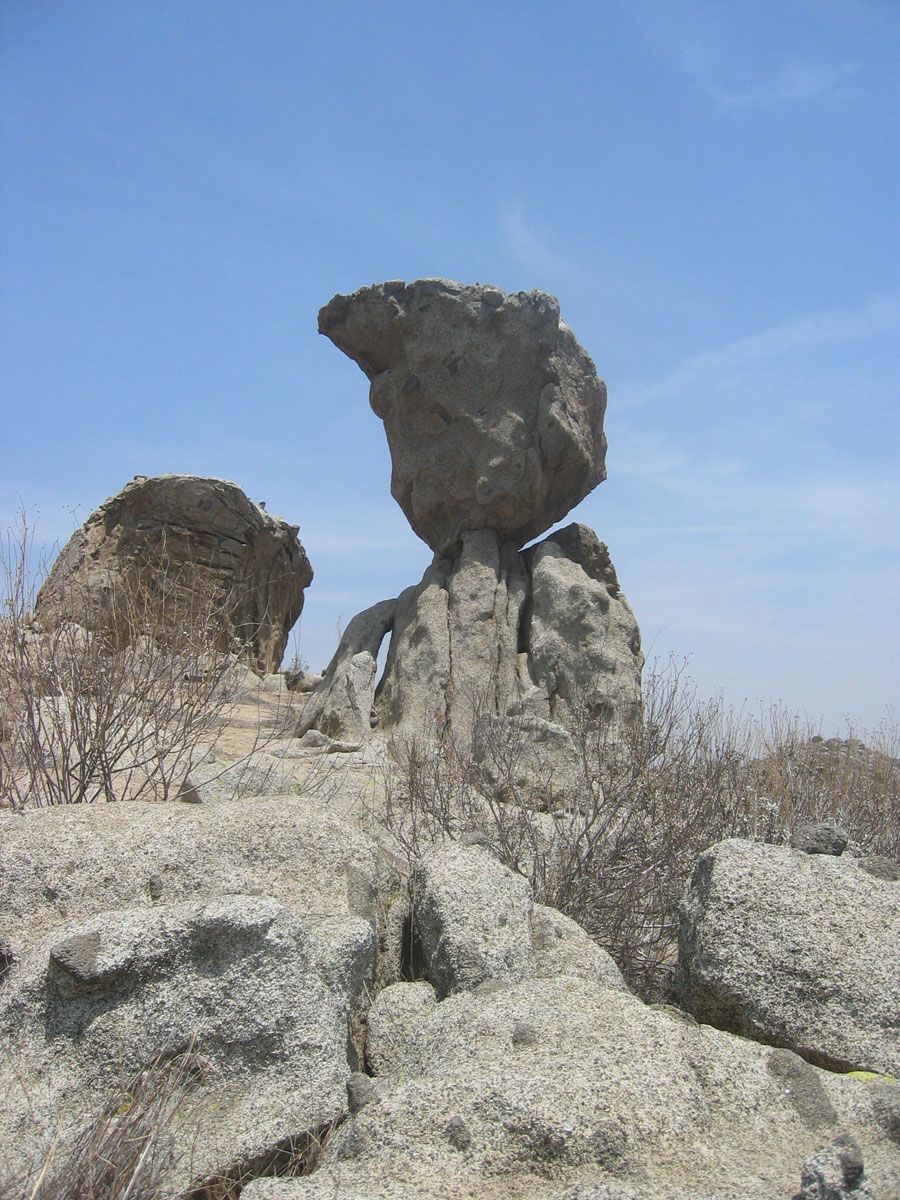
{"points": [[710, 188]]}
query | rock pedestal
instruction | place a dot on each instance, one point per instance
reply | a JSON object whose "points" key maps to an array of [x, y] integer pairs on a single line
{"points": [[535, 641]]}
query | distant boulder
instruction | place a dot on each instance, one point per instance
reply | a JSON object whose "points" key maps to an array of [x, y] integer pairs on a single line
{"points": [[174, 548]]}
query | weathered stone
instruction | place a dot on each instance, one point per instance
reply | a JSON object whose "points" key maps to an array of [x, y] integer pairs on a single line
{"points": [[260, 774], [102, 999], [176, 547], [73, 861], [493, 414], [393, 1017], [561, 947], [802, 1087], [513, 648], [835, 1173], [360, 1091], [608, 1095], [796, 950], [820, 837], [493, 411], [472, 916], [341, 705], [880, 867], [527, 760], [584, 646], [454, 650], [301, 681]]}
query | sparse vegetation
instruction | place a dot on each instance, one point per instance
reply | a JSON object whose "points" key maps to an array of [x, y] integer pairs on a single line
{"points": [[129, 1149], [616, 851], [90, 717], [120, 711]]}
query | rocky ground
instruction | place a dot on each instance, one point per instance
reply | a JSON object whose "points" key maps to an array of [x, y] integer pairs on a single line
{"points": [[438, 1032]]}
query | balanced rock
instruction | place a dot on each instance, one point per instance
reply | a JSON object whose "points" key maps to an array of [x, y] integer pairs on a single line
{"points": [[794, 949], [493, 411], [176, 547]]}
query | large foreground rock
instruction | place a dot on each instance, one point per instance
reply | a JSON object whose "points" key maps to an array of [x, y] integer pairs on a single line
{"points": [[75, 861], [239, 937], [493, 411], [603, 1092], [473, 918], [231, 985], [794, 949], [476, 923], [176, 546]]}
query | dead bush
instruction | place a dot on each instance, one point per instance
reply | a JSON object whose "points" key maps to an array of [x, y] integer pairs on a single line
{"points": [[618, 843], [130, 1150], [125, 1151], [122, 711]]}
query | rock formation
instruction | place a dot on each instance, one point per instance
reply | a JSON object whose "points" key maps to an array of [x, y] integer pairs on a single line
{"points": [[305, 979], [494, 418], [175, 544], [492, 410], [238, 945]]}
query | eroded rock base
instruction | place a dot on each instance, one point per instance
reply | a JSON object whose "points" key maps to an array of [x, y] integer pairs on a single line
{"points": [[536, 640]]}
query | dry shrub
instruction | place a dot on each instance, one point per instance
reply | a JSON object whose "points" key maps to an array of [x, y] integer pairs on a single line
{"points": [[129, 1148], [119, 708], [126, 1151], [617, 846]]}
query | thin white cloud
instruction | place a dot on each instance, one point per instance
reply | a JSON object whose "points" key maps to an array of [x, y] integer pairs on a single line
{"points": [[534, 251], [797, 82], [706, 44], [878, 315]]}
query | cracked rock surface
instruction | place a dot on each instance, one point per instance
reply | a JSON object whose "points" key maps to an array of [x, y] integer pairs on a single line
{"points": [[530, 640], [183, 540], [493, 411]]}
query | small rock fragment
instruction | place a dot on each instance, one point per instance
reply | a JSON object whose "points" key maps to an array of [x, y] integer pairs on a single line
{"points": [[835, 1173], [820, 837]]}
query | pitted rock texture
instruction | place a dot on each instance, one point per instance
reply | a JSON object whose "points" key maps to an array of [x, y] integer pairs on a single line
{"points": [[534, 1088], [136, 930], [473, 918], [794, 949], [513, 647], [561, 947], [454, 647], [836, 1173], [584, 645], [72, 861], [493, 411], [183, 544], [233, 984]]}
